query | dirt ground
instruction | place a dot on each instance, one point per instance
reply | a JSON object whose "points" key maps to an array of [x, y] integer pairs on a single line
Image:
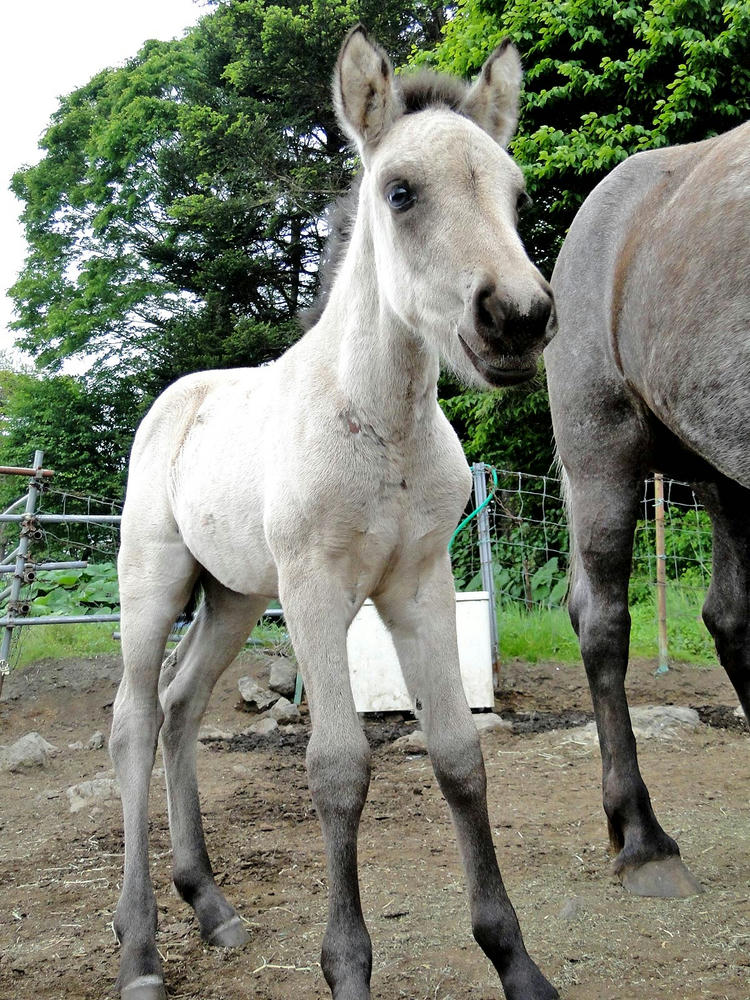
{"points": [[60, 872]]}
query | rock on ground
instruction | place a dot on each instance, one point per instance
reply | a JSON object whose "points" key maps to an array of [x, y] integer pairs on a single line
{"points": [[262, 727], [31, 750], [283, 677], [93, 793], [284, 711], [648, 722], [411, 743], [254, 696], [487, 722]]}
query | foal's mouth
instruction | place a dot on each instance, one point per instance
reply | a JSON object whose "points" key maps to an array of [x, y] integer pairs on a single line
{"points": [[517, 369]]}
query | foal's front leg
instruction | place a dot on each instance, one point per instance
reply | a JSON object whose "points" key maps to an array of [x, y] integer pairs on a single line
{"points": [[420, 611], [338, 766]]}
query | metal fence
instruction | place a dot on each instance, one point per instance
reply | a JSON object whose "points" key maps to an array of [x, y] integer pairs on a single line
{"points": [[518, 547], [45, 534]]}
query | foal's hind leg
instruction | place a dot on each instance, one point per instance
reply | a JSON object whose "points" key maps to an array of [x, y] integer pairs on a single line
{"points": [[222, 625], [726, 611], [420, 612], [603, 520], [148, 612]]}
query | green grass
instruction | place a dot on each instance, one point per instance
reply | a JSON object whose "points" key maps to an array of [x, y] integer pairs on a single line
{"points": [[548, 635], [60, 642], [524, 635]]}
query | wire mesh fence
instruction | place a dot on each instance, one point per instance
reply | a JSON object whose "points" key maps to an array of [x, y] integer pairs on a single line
{"points": [[529, 543], [525, 535], [58, 550]]}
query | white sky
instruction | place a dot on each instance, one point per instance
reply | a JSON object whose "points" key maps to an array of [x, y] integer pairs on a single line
{"points": [[47, 49]]}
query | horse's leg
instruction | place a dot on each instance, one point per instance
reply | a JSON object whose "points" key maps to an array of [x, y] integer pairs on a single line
{"points": [[338, 765], [222, 624], [149, 606], [726, 611], [420, 611], [604, 512]]}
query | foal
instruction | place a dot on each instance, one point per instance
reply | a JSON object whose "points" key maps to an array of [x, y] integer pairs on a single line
{"points": [[326, 477]]}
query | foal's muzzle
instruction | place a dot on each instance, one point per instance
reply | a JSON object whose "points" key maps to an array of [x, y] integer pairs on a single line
{"points": [[502, 342]]}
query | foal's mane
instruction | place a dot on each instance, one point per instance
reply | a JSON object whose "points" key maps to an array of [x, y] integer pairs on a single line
{"points": [[418, 91]]}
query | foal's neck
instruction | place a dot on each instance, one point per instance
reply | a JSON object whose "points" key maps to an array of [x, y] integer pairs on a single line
{"points": [[386, 370]]}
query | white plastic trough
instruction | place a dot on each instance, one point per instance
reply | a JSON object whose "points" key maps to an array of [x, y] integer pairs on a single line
{"points": [[377, 683]]}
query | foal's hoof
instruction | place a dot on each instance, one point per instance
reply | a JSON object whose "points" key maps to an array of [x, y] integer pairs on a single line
{"points": [[144, 988], [667, 878], [230, 934]]}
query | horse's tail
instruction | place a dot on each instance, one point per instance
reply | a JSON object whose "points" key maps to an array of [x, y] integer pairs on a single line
{"points": [[567, 505]]}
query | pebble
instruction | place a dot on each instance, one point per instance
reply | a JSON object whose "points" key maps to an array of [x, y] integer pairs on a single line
{"points": [[262, 727], [93, 793], [648, 722], [571, 909], [212, 733], [411, 743], [487, 722]]}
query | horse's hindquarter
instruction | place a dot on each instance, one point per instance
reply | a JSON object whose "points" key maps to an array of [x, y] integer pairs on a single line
{"points": [[684, 313], [218, 477], [653, 296]]}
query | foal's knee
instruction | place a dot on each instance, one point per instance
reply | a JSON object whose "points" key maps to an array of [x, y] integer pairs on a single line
{"points": [[458, 764], [133, 732], [339, 773]]}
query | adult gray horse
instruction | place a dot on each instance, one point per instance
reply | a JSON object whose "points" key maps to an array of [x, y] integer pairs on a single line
{"points": [[650, 371]]}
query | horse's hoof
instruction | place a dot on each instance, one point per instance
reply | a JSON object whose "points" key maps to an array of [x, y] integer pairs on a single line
{"points": [[230, 934], [144, 988], [667, 878]]}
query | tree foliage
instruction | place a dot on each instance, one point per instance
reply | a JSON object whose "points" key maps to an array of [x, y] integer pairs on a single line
{"points": [[174, 220], [604, 79], [85, 435]]}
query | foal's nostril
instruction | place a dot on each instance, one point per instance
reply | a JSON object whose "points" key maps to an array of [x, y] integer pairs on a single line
{"points": [[489, 311]]}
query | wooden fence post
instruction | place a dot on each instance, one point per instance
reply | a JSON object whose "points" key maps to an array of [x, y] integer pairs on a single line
{"points": [[661, 573]]}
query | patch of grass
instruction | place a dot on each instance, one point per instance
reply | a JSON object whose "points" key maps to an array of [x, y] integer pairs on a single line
{"points": [[542, 634], [32, 643], [539, 634], [60, 642]]}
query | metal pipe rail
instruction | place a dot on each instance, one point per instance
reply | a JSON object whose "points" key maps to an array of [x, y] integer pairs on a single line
{"points": [[12, 622], [64, 518], [39, 567]]}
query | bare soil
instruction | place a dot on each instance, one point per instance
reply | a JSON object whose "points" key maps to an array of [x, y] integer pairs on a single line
{"points": [[60, 872]]}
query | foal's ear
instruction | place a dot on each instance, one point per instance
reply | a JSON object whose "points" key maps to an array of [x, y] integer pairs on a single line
{"points": [[364, 95], [492, 101]]}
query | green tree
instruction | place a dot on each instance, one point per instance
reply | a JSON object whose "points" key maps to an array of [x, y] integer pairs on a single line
{"points": [[604, 79], [174, 221], [85, 434]]}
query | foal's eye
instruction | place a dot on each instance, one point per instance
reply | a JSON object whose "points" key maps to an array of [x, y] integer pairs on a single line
{"points": [[400, 196], [523, 203]]}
